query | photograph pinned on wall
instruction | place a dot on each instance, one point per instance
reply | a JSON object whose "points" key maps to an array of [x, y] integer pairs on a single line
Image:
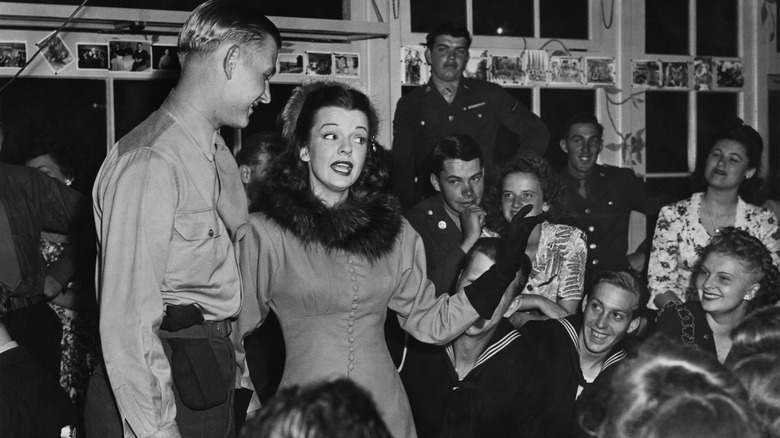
{"points": [[535, 64], [729, 73], [347, 64], [675, 74], [56, 52], [566, 70], [646, 73], [601, 71], [132, 56], [290, 63], [416, 70], [165, 58], [319, 63], [92, 56], [506, 70], [13, 54], [477, 66], [702, 73]]}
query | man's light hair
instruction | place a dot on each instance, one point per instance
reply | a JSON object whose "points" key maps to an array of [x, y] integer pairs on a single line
{"points": [[216, 22]]}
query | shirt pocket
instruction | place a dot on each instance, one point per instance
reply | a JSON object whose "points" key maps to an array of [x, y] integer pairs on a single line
{"points": [[192, 261]]}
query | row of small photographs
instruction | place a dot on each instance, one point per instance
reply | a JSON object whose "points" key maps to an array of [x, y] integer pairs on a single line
{"points": [[532, 67], [129, 56], [319, 64], [706, 74]]}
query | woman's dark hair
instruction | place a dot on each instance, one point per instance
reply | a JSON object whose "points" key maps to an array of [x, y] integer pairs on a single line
{"points": [[298, 119], [548, 180], [59, 154], [760, 374], [754, 255], [668, 390], [736, 130], [323, 410], [758, 332]]}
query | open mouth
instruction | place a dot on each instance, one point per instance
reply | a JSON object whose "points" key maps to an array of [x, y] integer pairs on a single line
{"points": [[342, 167], [709, 296], [598, 336]]}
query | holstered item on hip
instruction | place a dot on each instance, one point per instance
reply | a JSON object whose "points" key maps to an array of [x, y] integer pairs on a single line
{"points": [[194, 366]]}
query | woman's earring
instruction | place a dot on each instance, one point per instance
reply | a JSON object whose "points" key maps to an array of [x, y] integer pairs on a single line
{"points": [[68, 181]]}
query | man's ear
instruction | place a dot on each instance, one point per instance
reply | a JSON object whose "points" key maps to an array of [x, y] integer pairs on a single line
{"points": [[232, 58], [584, 303], [435, 183], [564, 146], [513, 306], [428, 55], [245, 172], [634, 324]]}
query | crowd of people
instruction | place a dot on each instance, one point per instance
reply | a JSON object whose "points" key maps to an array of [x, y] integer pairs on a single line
{"points": [[320, 285]]}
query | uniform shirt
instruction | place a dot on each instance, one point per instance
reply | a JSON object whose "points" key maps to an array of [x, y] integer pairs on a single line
{"points": [[612, 194], [162, 243], [423, 117]]}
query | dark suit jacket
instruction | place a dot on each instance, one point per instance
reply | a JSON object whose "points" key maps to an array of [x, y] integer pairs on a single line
{"points": [[32, 404], [604, 216], [441, 237]]}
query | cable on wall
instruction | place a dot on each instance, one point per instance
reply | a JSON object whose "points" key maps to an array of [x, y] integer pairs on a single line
{"points": [[43, 46]]}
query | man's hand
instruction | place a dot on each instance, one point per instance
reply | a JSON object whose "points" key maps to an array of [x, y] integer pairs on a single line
{"points": [[472, 219], [51, 287]]}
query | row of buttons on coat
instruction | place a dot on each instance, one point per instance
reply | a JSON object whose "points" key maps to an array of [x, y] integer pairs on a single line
{"points": [[351, 322]]}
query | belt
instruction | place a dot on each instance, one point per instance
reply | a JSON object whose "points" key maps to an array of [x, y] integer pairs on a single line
{"points": [[22, 302], [205, 330]]}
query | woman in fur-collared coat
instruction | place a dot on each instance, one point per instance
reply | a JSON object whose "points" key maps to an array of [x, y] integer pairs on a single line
{"points": [[329, 252]]}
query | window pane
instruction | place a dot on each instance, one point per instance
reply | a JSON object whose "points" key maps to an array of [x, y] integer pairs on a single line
{"points": [[264, 117], [712, 111], [427, 14], [135, 100], [71, 113], [572, 24], [667, 131], [506, 141], [289, 8], [773, 142], [716, 27], [666, 27], [557, 107], [504, 17]]}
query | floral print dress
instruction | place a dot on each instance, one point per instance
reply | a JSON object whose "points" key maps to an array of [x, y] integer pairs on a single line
{"points": [[680, 236], [79, 333]]}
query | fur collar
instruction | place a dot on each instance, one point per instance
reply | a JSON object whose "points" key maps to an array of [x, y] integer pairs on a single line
{"points": [[367, 226]]}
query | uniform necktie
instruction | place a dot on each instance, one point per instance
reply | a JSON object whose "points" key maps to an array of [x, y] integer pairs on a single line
{"points": [[10, 274], [232, 205], [581, 190]]}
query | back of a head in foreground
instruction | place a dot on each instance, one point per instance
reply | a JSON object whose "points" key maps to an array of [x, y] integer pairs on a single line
{"points": [[336, 409], [760, 374], [758, 332], [669, 391]]}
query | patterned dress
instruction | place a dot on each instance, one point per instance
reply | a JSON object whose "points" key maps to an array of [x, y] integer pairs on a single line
{"points": [[680, 236], [79, 333], [558, 270]]}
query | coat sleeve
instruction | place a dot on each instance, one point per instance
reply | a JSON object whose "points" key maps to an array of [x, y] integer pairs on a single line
{"points": [[403, 157], [429, 319], [259, 263], [135, 208], [532, 133]]}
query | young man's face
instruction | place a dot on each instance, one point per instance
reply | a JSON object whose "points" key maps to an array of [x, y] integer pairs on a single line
{"points": [[448, 57], [608, 314], [582, 147], [461, 184]]}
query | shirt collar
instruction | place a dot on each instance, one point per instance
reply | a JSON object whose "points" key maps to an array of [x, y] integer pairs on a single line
{"points": [[7, 346], [193, 121]]}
